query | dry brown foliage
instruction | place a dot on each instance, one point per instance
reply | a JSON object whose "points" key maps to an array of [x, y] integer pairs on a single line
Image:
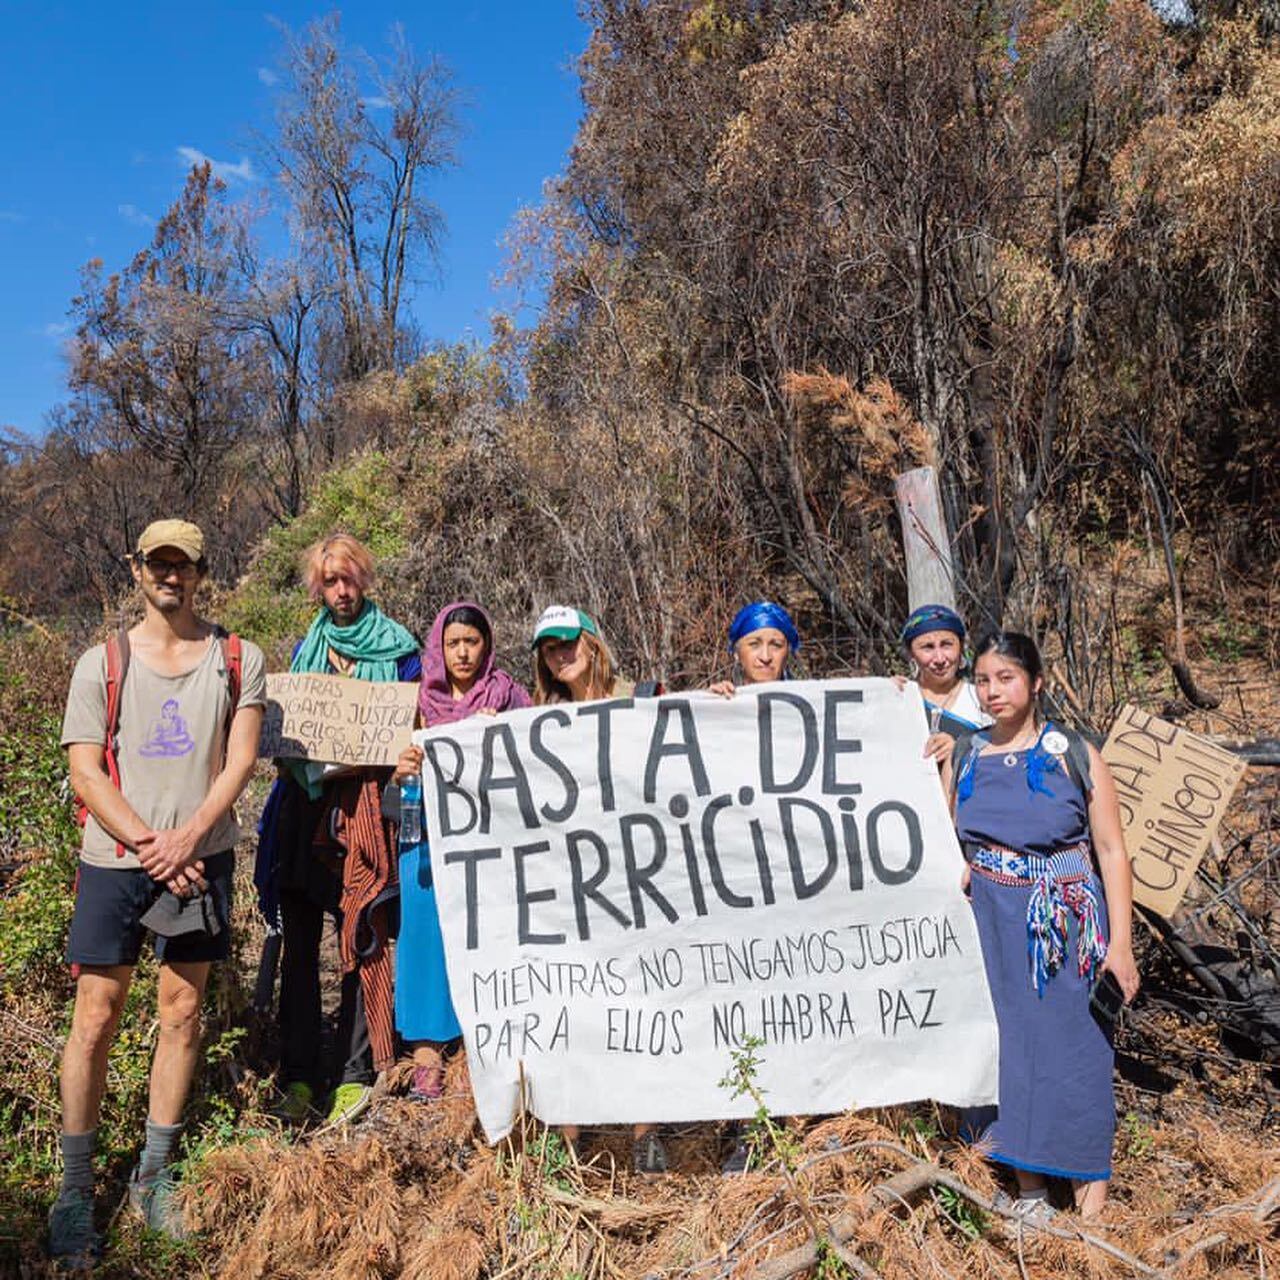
{"points": [[414, 1193], [869, 434]]}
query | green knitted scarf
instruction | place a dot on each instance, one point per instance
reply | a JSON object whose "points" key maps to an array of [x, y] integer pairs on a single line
{"points": [[375, 643]]}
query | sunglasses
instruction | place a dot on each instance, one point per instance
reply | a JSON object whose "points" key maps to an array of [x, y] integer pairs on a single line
{"points": [[160, 568]]}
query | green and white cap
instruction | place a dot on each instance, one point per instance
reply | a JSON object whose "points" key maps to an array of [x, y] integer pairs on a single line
{"points": [[559, 622]]}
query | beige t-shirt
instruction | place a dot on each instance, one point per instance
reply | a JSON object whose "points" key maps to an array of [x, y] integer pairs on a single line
{"points": [[170, 740]]}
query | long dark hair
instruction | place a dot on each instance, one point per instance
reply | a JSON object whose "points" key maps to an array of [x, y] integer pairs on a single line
{"points": [[465, 616], [1019, 649]]}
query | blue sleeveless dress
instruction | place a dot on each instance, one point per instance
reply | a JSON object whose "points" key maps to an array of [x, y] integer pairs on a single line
{"points": [[1056, 1113], [424, 1009]]}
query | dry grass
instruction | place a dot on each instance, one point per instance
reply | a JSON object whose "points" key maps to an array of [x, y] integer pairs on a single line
{"points": [[413, 1192]]}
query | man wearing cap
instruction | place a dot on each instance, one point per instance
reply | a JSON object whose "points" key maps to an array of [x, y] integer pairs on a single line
{"points": [[158, 843]]}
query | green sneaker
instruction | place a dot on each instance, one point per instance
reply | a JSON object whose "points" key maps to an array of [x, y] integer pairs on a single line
{"points": [[71, 1234], [157, 1202], [349, 1101], [296, 1105]]}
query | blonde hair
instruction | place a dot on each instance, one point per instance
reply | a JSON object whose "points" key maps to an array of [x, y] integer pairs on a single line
{"points": [[600, 683], [343, 551]]}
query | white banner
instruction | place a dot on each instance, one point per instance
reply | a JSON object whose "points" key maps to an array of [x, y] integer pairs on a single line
{"points": [[630, 889]]}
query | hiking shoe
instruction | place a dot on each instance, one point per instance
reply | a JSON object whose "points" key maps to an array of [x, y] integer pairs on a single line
{"points": [[296, 1105], [71, 1234], [648, 1155], [1036, 1211], [157, 1202], [349, 1101]]}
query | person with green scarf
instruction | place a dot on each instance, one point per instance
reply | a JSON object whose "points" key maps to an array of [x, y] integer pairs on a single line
{"points": [[326, 849]]}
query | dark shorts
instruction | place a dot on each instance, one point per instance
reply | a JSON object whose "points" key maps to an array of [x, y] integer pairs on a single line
{"points": [[106, 928]]}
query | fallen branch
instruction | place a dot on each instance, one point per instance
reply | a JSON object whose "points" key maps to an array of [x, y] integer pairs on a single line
{"points": [[615, 1213], [1262, 1205], [1254, 750], [900, 1189]]}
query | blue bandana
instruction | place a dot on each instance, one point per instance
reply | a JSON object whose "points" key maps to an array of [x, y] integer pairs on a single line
{"points": [[759, 614], [931, 617]]}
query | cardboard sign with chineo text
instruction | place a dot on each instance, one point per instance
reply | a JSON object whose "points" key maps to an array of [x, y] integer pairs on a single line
{"points": [[337, 720], [1173, 789]]}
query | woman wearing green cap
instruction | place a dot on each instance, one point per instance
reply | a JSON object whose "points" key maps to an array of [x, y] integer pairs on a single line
{"points": [[572, 663]]}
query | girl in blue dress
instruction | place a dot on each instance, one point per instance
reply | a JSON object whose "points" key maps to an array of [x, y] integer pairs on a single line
{"points": [[1038, 820], [459, 679]]}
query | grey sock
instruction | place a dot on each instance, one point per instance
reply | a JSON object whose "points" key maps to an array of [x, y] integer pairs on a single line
{"points": [[77, 1160], [162, 1146]]}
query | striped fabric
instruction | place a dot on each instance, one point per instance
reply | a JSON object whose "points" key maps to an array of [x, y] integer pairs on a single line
{"points": [[369, 877], [1061, 882]]}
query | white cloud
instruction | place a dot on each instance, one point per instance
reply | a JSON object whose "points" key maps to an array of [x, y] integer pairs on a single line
{"points": [[56, 329], [131, 213], [224, 169], [267, 76], [8, 215], [375, 103]]}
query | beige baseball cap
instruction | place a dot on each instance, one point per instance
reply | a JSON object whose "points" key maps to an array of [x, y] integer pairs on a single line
{"points": [[181, 534]]}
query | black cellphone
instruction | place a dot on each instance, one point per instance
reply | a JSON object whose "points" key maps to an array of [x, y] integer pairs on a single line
{"points": [[1105, 1002]]}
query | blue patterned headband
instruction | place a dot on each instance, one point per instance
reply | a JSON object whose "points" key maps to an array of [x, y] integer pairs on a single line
{"points": [[763, 613], [931, 617]]}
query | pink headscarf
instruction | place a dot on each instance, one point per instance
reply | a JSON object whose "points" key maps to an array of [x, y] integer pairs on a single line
{"points": [[492, 690]]}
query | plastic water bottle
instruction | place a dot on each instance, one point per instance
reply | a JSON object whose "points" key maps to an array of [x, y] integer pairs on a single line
{"points": [[413, 834], [410, 814]]}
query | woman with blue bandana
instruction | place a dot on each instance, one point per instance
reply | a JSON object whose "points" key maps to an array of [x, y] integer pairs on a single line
{"points": [[1052, 893], [762, 637], [933, 640]]}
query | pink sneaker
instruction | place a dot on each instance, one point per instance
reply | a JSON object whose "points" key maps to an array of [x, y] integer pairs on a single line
{"points": [[428, 1083]]}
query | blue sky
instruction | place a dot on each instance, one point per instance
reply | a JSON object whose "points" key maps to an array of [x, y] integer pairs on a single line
{"points": [[103, 103]]}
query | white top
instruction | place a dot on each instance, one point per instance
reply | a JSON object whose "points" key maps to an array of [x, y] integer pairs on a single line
{"points": [[965, 706]]}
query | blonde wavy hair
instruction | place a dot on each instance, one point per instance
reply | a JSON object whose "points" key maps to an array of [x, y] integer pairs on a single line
{"points": [[345, 553], [602, 679]]}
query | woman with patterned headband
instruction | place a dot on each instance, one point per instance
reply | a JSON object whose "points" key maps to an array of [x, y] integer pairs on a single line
{"points": [[1052, 893], [933, 641]]}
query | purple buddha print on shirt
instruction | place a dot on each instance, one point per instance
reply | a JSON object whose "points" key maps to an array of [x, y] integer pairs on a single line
{"points": [[168, 736]]}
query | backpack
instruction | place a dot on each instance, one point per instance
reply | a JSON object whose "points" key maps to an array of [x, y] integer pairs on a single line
{"points": [[117, 653], [1075, 758]]}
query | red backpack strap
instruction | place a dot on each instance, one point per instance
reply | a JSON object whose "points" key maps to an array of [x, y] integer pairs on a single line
{"points": [[233, 661], [117, 668]]}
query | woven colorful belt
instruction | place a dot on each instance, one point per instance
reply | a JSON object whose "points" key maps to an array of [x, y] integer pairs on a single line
{"points": [[1060, 881]]}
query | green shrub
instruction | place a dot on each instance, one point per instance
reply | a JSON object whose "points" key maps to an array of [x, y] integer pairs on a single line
{"points": [[39, 838]]}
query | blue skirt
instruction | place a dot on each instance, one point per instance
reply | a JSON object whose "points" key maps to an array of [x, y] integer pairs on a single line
{"points": [[1057, 1112], [424, 1009]]}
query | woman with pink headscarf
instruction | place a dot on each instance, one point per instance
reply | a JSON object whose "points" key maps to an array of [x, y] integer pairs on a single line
{"points": [[459, 679]]}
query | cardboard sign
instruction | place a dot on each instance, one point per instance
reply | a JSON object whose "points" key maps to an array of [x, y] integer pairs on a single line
{"points": [[1173, 789], [337, 720], [630, 889]]}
